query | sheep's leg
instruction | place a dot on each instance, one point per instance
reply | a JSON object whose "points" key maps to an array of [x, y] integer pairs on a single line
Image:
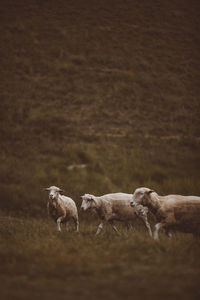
{"points": [[128, 226], [100, 227], [67, 226], [59, 220], [76, 222], [168, 233], [157, 228], [114, 227], [58, 224], [146, 223], [77, 226]]}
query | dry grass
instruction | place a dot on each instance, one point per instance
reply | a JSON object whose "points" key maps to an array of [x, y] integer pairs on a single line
{"points": [[38, 261]]}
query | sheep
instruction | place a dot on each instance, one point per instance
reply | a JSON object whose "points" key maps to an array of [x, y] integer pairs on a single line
{"points": [[61, 208], [173, 212], [112, 207]]}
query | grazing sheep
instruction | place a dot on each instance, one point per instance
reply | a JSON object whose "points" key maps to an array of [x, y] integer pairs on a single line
{"points": [[173, 212], [61, 208], [113, 207]]}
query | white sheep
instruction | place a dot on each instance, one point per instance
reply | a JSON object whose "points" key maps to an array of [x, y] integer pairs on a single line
{"points": [[173, 212], [116, 206], [61, 208]]}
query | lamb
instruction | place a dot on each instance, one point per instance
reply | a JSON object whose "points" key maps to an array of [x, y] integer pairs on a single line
{"points": [[112, 207], [61, 208], [173, 212]]}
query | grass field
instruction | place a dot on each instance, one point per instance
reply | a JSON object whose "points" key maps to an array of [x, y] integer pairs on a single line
{"points": [[37, 261], [96, 97]]}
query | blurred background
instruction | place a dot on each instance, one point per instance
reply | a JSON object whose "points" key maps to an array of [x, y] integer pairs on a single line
{"points": [[98, 97]]}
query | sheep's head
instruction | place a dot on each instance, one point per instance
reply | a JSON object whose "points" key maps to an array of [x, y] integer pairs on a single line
{"points": [[141, 196], [53, 192], [88, 201]]}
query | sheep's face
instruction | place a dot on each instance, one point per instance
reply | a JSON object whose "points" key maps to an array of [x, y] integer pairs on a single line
{"points": [[140, 196], [53, 192], [87, 202]]}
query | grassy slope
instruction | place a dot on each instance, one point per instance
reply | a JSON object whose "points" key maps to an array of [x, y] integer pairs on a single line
{"points": [[36, 261], [110, 84]]}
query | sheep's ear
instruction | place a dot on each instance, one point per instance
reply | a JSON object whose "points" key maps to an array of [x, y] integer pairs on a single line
{"points": [[150, 191], [47, 189], [93, 199], [61, 191]]}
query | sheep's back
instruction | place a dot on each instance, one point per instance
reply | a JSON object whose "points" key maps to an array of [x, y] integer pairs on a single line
{"points": [[69, 205]]}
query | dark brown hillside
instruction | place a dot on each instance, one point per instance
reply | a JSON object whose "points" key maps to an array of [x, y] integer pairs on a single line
{"points": [[110, 84]]}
